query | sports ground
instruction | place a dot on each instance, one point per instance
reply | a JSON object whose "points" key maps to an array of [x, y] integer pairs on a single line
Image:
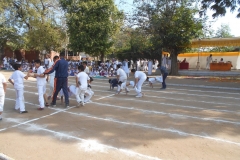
{"points": [[192, 119]]}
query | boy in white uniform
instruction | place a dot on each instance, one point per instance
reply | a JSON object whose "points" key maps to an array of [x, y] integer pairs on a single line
{"points": [[41, 84], [16, 80], [154, 80], [140, 77], [86, 69], [82, 80], [72, 91], [121, 77], [3, 87]]}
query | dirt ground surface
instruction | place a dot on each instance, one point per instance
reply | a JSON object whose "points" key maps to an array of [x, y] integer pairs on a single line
{"points": [[191, 119]]}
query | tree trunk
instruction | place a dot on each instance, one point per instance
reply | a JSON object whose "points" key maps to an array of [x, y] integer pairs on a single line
{"points": [[102, 57], [174, 64]]}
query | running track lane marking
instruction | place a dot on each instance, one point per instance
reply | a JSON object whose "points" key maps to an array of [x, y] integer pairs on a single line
{"points": [[105, 97], [145, 126], [171, 115], [186, 85], [172, 92], [228, 104], [178, 99], [68, 136], [35, 119], [180, 93], [188, 90]]}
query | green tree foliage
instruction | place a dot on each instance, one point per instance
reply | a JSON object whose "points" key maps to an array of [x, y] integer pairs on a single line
{"points": [[92, 25], [222, 32], [220, 7], [171, 24], [36, 23], [8, 32]]}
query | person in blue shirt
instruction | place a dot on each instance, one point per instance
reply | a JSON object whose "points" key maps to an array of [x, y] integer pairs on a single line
{"points": [[61, 79], [164, 75]]}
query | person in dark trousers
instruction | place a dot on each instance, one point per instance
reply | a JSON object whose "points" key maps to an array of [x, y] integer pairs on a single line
{"points": [[61, 79], [164, 75]]}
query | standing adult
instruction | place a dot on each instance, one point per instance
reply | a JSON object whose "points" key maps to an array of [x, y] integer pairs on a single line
{"points": [[122, 79], [51, 77], [140, 77], [150, 67], [125, 67], [164, 75], [47, 61], [138, 64], [209, 60], [156, 64], [86, 69], [61, 78], [3, 88], [164, 61], [5, 62]]}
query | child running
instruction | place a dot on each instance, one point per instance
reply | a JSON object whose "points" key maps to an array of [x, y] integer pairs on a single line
{"points": [[16, 80]]}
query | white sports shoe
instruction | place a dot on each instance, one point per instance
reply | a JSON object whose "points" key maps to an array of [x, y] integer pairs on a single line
{"points": [[82, 103], [139, 96]]}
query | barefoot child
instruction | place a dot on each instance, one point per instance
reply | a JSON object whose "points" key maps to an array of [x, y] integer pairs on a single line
{"points": [[16, 80]]}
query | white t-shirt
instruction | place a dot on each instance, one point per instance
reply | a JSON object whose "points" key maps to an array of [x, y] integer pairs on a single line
{"points": [[83, 78], [50, 65], [121, 74], [140, 75], [47, 61], [17, 77], [41, 80], [5, 60], [2, 80], [86, 70]]}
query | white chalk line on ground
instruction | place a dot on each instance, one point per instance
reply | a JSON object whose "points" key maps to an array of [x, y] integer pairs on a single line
{"points": [[173, 92], [171, 115], [145, 126], [179, 99], [67, 136], [212, 102], [91, 146], [167, 104], [182, 85], [217, 92], [32, 120], [106, 97], [177, 93]]}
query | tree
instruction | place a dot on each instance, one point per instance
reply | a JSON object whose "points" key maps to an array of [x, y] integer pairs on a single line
{"points": [[171, 24], [219, 7], [37, 22], [223, 31], [92, 25], [132, 43]]}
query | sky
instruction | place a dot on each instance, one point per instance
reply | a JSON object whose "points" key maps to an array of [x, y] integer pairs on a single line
{"points": [[229, 19]]}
